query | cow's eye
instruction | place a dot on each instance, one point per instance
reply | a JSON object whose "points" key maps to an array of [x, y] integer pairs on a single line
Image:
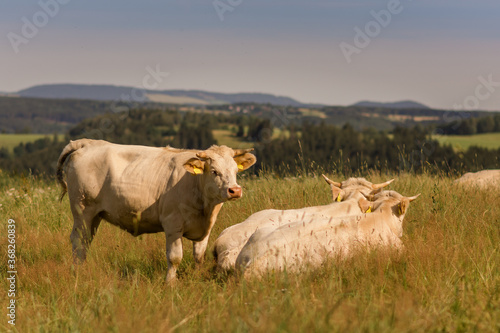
{"points": [[215, 173]]}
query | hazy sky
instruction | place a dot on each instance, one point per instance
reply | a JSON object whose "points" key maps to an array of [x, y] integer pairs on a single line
{"points": [[431, 51]]}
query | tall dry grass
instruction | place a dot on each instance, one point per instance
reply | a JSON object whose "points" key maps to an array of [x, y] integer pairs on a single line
{"points": [[447, 279]]}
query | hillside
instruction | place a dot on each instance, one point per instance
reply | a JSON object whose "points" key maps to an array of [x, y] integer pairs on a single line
{"points": [[393, 105], [47, 116], [113, 93]]}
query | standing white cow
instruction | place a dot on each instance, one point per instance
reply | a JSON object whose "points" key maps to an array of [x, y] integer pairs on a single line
{"points": [[147, 190], [309, 242], [345, 195]]}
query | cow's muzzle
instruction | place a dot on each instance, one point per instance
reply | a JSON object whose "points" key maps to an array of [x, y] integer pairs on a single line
{"points": [[234, 192]]}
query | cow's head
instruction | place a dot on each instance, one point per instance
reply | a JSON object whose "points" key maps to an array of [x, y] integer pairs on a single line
{"points": [[353, 187], [218, 166], [389, 201]]}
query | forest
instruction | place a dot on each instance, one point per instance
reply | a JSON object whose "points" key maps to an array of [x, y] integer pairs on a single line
{"points": [[284, 149]]}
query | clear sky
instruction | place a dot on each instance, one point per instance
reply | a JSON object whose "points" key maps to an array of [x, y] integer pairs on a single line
{"points": [[430, 51]]}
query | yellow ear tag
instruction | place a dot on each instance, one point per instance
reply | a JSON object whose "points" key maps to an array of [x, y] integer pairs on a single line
{"points": [[369, 210], [339, 199], [240, 167], [197, 170]]}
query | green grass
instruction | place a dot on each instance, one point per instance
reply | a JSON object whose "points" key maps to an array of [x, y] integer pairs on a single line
{"points": [[447, 279], [306, 112], [462, 142], [226, 137], [9, 141]]}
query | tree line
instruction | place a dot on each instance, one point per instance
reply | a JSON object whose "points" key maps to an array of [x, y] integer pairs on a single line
{"points": [[347, 151], [139, 126], [300, 148], [470, 126]]}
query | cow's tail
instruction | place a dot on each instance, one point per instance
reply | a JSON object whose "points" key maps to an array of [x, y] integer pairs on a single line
{"points": [[70, 148]]}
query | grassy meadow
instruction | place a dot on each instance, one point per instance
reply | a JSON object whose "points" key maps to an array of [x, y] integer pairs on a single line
{"points": [[447, 279], [9, 141], [462, 142], [228, 138]]}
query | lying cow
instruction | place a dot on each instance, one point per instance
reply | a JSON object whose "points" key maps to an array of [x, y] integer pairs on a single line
{"points": [[147, 190], [482, 180], [310, 242], [346, 195]]}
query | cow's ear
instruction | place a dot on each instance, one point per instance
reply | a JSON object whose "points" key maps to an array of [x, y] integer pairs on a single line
{"points": [[373, 192], [403, 206], [365, 205], [194, 166], [337, 193], [245, 161]]}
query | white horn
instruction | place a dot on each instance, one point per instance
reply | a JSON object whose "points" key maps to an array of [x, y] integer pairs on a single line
{"points": [[382, 185], [331, 182]]}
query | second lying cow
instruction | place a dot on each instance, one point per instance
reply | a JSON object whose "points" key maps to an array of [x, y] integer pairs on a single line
{"points": [[345, 195], [310, 242]]}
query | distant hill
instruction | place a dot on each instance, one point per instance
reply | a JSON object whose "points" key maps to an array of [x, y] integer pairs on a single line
{"points": [[113, 93], [46, 116], [56, 115], [393, 105]]}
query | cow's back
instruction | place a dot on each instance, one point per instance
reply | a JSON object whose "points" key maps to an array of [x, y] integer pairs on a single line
{"points": [[231, 241], [97, 166], [309, 243], [125, 183], [482, 179]]}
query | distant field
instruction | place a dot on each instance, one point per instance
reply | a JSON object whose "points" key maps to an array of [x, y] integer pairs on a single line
{"points": [[313, 113], [11, 140], [162, 98], [462, 142], [226, 137]]}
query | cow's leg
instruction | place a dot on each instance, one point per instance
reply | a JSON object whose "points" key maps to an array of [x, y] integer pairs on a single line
{"points": [[84, 229], [174, 255], [199, 249]]}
